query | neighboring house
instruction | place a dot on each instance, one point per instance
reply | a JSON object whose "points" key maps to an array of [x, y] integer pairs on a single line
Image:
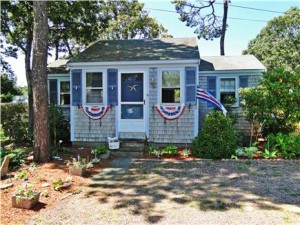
{"points": [[144, 89]]}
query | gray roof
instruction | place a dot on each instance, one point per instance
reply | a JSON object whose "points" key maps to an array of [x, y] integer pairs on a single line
{"points": [[243, 62], [140, 50], [58, 66]]}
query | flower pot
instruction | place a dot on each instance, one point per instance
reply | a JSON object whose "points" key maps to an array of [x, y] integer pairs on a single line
{"points": [[105, 155], [77, 171], [24, 202]]}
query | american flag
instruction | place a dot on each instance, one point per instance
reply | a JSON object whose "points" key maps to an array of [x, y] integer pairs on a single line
{"points": [[205, 96]]}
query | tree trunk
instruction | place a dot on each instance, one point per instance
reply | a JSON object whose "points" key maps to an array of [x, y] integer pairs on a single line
{"points": [[29, 84], [41, 146], [224, 25]]}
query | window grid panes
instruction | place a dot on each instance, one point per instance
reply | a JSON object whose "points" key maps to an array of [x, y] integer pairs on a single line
{"points": [[170, 86], [65, 93], [227, 89], [94, 88]]}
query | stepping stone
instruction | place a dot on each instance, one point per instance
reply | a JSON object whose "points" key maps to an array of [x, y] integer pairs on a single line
{"points": [[4, 186]]}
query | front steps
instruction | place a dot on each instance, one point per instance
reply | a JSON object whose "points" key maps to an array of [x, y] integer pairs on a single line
{"points": [[130, 148]]}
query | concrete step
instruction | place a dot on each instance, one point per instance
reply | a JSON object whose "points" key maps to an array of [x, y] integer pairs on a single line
{"points": [[140, 144], [132, 135]]}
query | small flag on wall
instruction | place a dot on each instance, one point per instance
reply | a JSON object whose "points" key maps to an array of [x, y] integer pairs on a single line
{"points": [[205, 96]]}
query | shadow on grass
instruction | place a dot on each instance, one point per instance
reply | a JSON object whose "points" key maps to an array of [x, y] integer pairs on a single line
{"points": [[148, 187]]}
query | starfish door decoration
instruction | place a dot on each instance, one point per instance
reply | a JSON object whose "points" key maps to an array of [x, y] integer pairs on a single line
{"points": [[133, 87]]}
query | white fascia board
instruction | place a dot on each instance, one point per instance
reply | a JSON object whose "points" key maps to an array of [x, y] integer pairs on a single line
{"points": [[60, 75], [128, 63], [232, 72]]}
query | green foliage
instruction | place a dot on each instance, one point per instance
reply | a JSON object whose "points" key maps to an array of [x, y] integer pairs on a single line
{"points": [[157, 153], [22, 175], [151, 149], [275, 102], [285, 146], [217, 139], [80, 163], [14, 120], [269, 154], [25, 192], [59, 125], [57, 185], [186, 152], [200, 15], [170, 150], [16, 157], [246, 151], [8, 89], [277, 45], [100, 149]]}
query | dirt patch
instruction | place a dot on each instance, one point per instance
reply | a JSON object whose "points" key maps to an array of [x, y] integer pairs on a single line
{"points": [[43, 175], [187, 192]]}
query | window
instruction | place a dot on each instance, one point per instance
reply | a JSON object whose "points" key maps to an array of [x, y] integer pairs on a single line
{"points": [[170, 86], [94, 88], [65, 93], [227, 89]]}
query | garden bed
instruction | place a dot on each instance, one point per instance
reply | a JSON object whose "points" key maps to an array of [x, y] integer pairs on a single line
{"points": [[44, 175]]}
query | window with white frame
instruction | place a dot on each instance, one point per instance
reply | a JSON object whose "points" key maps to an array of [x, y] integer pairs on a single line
{"points": [[170, 88], [228, 89], [94, 87], [65, 93]]}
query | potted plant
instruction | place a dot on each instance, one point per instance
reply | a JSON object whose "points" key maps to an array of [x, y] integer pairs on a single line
{"points": [[78, 166], [24, 197], [101, 151]]}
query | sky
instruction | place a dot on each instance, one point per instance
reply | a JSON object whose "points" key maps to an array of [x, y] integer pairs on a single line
{"points": [[243, 25]]}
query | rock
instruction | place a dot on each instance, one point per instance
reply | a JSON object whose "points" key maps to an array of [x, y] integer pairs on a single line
{"points": [[4, 186], [45, 185]]}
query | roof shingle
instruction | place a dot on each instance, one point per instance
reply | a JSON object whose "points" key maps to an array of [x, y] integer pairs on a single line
{"points": [[140, 50]]}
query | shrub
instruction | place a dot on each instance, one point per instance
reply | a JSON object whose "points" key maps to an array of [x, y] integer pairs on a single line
{"points": [[16, 157], [59, 125], [286, 146], [170, 150], [14, 120], [217, 139]]}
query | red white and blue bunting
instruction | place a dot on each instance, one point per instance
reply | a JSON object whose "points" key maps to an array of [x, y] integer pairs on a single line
{"points": [[170, 112], [95, 112]]}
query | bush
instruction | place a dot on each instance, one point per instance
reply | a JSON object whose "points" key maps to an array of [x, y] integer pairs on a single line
{"points": [[286, 146], [217, 139], [59, 125], [16, 156], [14, 120]]}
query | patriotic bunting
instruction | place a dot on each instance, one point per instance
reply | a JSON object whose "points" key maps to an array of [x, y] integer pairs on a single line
{"points": [[205, 96], [95, 112], [170, 112]]}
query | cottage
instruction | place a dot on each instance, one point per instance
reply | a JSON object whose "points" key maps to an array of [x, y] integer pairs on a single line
{"points": [[145, 89]]}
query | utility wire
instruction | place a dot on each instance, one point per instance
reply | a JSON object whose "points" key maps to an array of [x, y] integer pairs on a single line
{"points": [[233, 18], [251, 8]]}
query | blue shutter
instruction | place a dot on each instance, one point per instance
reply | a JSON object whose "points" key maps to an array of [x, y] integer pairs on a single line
{"points": [[53, 91], [212, 87], [112, 86], [190, 85], [76, 87], [243, 82]]}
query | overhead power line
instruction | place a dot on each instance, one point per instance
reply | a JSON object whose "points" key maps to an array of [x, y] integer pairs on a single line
{"points": [[233, 18], [251, 8]]}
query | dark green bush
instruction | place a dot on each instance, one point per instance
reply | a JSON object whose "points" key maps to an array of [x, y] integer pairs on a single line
{"points": [[59, 125], [286, 146], [217, 139], [14, 121], [16, 156]]}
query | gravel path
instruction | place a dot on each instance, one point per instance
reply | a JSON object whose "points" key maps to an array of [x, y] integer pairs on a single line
{"points": [[186, 192]]}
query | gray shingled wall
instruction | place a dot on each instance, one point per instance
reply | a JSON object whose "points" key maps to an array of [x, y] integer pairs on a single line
{"points": [[242, 125], [180, 130], [86, 129]]}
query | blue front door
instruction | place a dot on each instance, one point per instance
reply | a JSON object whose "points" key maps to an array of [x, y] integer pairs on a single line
{"points": [[132, 102]]}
